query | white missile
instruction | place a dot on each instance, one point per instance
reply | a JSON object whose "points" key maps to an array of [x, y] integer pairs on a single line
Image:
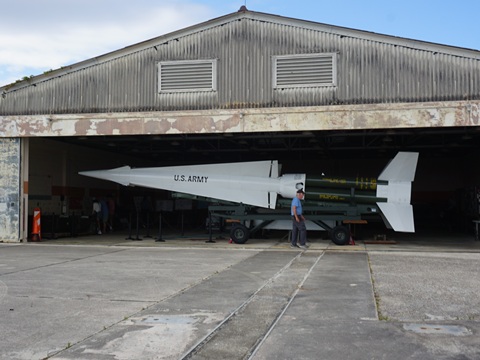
{"points": [[254, 183], [259, 183]]}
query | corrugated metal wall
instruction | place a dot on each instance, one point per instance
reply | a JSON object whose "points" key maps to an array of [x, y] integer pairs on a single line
{"points": [[368, 71]]}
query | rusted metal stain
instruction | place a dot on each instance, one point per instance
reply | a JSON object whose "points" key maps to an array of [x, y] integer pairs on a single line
{"points": [[340, 117]]}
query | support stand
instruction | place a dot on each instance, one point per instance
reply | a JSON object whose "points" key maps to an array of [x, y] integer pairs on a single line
{"points": [[209, 228], [183, 231], [129, 227], [148, 226], [138, 238], [159, 239]]}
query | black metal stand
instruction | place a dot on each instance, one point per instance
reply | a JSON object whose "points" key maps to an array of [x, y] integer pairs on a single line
{"points": [[159, 238], [130, 227], [148, 226], [138, 238], [209, 228], [183, 231]]}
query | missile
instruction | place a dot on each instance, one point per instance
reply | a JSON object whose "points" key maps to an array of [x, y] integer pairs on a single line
{"points": [[259, 183]]}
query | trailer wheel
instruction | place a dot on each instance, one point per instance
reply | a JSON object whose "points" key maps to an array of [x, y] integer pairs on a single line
{"points": [[239, 234], [340, 235]]}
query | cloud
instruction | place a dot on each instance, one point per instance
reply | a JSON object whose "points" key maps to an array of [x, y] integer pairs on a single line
{"points": [[55, 33]]}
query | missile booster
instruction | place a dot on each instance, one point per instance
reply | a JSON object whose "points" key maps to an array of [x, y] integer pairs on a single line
{"points": [[359, 190]]}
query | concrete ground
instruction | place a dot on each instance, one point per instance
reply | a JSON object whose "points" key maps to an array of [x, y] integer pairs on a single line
{"points": [[105, 297]]}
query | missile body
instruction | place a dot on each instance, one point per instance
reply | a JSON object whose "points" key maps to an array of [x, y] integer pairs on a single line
{"points": [[259, 183], [255, 183]]}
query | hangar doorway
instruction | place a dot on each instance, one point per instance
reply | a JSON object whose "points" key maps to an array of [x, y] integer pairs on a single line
{"points": [[444, 193]]}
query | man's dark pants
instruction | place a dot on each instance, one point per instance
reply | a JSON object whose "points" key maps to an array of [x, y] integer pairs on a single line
{"points": [[299, 227]]}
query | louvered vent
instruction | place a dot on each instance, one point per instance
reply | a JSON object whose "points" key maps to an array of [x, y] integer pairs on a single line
{"points": [[181, 76], [304, 70]]}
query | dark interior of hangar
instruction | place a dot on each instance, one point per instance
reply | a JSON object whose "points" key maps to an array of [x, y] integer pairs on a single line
{"points": [[444, 193], [168, 150]]}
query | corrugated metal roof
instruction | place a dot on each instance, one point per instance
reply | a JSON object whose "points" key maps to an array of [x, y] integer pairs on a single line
{"points": [[371, 68]]}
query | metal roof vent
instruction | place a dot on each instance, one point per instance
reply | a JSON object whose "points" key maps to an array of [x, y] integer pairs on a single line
{"points": [[305, 70], [185, 76]]}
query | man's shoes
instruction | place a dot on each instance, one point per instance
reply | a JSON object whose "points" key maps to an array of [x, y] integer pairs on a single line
{"points": [[305, 247]]}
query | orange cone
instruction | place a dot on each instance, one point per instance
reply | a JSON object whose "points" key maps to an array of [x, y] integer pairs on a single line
{"points": [[351, 242], [36, 225]]}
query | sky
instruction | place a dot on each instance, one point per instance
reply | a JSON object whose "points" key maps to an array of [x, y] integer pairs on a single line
{"points": [[42, 35]]}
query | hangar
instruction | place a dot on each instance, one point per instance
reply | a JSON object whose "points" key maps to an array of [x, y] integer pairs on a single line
{"points": [[241, 87]]}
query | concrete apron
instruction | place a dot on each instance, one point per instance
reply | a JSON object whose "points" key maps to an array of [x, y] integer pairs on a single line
{"points": [[335, 317], [294, 305], [238, 305], [216, 304]]}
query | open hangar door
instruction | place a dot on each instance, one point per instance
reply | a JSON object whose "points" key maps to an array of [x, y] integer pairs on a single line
{"points": [[64, 197], [444, 193]]}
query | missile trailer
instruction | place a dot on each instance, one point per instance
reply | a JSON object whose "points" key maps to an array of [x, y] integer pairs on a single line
{"points": [[327, 204]]}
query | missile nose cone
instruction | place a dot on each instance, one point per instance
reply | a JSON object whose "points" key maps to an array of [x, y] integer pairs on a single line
{"points": [[119, 175], [98, 174]]}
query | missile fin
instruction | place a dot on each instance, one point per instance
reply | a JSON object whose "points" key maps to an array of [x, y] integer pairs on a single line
{"points": [[274, 169], [397, 212], [398, 216], [272, 200], [401, 168], [395, 191]]}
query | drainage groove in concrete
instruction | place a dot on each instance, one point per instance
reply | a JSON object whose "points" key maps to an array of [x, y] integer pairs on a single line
{"points": [[242, 333]]}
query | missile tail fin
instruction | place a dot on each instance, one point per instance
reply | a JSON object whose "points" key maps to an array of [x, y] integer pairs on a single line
{"points": [[398, 217], [397, 212], [401, 168]]}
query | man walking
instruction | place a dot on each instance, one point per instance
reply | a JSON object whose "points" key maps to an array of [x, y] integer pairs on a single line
{"points": [[298, 222]]}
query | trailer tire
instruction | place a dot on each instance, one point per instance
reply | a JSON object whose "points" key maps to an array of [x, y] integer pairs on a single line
{"points": [[239, 234], [340, 235]]}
